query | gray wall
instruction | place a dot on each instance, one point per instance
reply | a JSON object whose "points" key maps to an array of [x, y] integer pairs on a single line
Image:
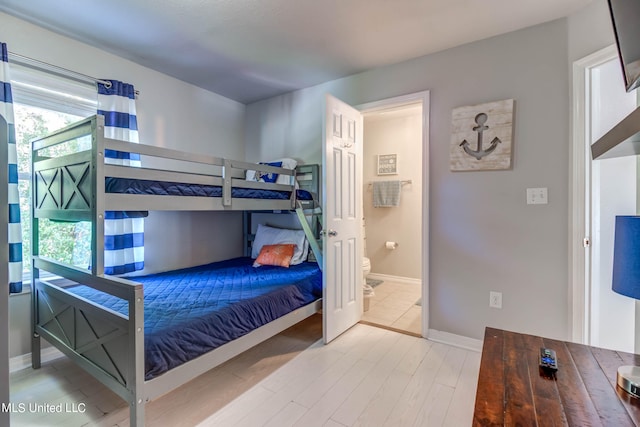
{"points": [[589, 30], [483, 235], [19, 325]]}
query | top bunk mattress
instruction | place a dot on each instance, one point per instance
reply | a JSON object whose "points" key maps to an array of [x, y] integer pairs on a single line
{"points": [[163, 188], [191, 311]]}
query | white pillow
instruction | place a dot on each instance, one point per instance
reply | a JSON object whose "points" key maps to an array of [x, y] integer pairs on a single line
{"points": [[287, 163], [266, 235]]}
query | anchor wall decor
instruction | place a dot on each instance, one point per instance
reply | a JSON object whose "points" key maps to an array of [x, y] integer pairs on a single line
{"points": [[481, 136]]}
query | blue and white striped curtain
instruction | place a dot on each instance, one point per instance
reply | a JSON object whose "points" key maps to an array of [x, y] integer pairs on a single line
{"points": [[15, 228], [124, 237]]}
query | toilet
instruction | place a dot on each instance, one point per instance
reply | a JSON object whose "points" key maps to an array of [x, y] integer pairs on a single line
{"points": [[367, 290], [366, 262], [366, 269]]}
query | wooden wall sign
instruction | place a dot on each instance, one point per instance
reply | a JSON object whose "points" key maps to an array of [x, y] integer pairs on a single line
{"points": [[481, 136], [387, 164]]}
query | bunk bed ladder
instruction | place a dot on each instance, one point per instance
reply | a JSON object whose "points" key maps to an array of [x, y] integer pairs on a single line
{"points": [[311, 237]]}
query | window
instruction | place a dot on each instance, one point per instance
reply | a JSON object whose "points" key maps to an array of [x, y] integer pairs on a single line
{"points": [[44, 102]]}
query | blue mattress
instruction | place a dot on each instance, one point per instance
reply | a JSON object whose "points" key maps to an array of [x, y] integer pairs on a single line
{"points": [[192, 311], [162, 188]]}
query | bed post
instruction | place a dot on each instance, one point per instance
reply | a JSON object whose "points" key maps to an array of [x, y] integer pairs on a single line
{"points": [[226, 183], [97, 196], [139, 395], [292, 198], [35, 276], [246, 232], [35, 273]]}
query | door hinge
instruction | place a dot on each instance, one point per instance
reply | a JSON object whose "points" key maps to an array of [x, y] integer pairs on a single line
{"points": [[586, 242]]}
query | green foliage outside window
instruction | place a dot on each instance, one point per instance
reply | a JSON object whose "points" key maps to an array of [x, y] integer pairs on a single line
{"points": [[66, 242]]}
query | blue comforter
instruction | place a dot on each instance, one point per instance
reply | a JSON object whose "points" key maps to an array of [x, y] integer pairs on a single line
{"points": [[162, 188], [192, 311]]}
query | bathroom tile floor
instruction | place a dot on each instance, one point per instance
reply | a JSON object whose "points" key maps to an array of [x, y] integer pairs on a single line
{"points": [[394, 306]]}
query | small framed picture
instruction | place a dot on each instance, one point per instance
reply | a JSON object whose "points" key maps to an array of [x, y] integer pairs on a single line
{"points": [[387, 164]]}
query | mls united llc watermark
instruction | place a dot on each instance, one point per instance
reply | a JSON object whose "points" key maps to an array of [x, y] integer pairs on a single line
{"points": [[43, 408]]}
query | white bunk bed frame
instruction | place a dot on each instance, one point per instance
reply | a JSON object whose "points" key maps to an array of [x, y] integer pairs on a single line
{"points": [[107, 344]]}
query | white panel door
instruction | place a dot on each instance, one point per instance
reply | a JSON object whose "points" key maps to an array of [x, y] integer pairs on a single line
{"points": [[342, 218]]}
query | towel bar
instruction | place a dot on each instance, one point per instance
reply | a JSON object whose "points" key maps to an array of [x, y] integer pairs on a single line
{"points": [[404, 182]]}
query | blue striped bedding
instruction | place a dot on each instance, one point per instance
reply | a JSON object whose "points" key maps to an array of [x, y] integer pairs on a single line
{"points": [[191, 311], [162, 188]]}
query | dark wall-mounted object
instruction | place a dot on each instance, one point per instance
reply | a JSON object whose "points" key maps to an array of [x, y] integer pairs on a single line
{"points": [[625, 17], [624, 138]]}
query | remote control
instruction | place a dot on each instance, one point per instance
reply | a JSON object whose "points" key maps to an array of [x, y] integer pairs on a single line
{"points": [[548, 361]]}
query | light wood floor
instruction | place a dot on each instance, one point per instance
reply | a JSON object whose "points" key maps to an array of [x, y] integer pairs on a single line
{"points": [[394, 306], [366, 377]]}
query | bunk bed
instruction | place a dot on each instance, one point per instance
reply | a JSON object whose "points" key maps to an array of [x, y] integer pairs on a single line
{"points": [[145, 336]]}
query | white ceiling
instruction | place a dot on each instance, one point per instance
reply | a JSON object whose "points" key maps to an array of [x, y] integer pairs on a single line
{"points": [[253, 49]]}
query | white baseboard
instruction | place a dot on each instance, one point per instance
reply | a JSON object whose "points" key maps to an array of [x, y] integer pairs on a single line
{"points": [[455, 340], [398, 279], [24, 361]]}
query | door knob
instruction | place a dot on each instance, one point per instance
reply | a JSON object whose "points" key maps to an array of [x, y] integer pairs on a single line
{"points": [[331, 233]]}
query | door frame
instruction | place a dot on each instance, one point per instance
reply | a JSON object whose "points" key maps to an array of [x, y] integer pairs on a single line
{"points": [[398, 101], [580, 197]]}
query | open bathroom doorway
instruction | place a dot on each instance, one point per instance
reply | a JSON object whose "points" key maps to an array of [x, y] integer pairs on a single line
{"points": [[395, 197]]}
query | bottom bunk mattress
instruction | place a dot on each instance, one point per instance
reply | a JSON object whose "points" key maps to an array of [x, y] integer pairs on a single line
{"points": [[191, 311]]}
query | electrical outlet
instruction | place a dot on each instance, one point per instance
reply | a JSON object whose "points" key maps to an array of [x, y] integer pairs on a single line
{"points": [[495, 299]]}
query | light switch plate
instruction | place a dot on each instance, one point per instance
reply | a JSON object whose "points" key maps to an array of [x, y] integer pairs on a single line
{"points": [[537, 196], [495, 299]]}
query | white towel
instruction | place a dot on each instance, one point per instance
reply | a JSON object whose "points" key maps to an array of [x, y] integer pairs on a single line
{"points": [[386, 194]]}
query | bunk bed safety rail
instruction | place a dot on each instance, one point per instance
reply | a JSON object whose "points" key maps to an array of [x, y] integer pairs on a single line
{"points": [[228, 168], [75, 131], [68, 185], [308, 177]]}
